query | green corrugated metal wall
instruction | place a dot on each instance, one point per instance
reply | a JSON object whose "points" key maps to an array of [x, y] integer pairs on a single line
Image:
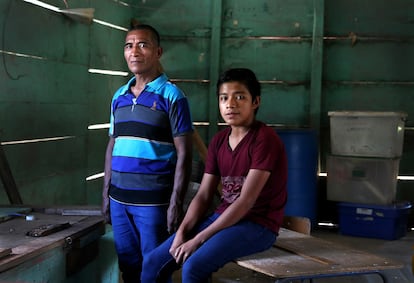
{"points": [[311, 57]]}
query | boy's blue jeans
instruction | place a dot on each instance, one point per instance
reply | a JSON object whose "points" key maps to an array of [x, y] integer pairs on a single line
{"points": [[241, 239], [137, 231]]}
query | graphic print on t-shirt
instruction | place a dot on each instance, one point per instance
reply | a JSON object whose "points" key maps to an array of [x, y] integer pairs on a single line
{"points": [[232, 187]]}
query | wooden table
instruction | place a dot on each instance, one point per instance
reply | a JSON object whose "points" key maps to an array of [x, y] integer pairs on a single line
{"points": [[77, 243], [297, 256]]}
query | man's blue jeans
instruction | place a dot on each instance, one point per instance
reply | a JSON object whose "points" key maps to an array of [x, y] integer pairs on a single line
{"points": [[241, 239], [137, 231]]}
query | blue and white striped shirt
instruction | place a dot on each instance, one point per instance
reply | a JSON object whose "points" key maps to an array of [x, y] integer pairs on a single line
{"points": [[144, 155]]}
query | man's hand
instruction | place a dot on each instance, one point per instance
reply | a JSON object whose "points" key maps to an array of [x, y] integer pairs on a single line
{"points": [[105, 209]]}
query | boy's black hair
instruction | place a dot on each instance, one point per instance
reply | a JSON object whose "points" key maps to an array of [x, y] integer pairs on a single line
{"points": [[241, 75], [137, 26]]}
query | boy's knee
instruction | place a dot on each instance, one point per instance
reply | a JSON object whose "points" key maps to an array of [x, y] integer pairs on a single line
{"points": [[147, 262], [157, 268], [190, 271], [149, 268], [197, 269]]}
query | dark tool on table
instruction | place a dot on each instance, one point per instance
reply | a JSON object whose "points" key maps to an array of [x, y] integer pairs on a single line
{"points": [[48, 229]]}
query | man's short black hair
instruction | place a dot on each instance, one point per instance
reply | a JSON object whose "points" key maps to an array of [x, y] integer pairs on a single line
{"points": [[137, 26]]}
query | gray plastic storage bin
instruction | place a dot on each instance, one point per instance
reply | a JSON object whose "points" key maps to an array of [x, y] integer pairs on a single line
{"points": [[370, 134], [362, 180]]}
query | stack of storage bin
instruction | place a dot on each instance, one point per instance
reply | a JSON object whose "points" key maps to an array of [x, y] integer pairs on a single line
{"points": [[366, 148]]}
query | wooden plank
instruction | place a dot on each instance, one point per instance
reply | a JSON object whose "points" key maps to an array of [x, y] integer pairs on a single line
{"points": [[5, 252], [297, 223], [297, 254]]}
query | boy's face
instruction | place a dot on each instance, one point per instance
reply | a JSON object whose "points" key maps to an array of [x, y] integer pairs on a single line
{"points": [[236, 105], [141, 51]]}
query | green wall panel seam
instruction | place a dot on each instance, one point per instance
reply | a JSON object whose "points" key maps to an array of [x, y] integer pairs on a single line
{"points": [[316, 64], [214, 65], [316, 69]]}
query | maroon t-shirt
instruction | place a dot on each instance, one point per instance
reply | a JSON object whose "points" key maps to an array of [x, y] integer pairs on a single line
{"points": [[260, 149]]}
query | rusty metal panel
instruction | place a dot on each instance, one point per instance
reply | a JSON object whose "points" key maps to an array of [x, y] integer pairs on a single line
{"points": [[285, 106], [283, 55], [42, 101], [272, 60], [273, 38], [368, 61], [103, 55], [378, 18], [35, 31], [267, 18], [186, 58], [175, 18], [105, 44], [49, 172], [100, 91], [198, 97]]}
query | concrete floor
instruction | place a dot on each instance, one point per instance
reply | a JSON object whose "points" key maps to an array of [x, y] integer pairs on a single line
{"points": [[401, 250]]}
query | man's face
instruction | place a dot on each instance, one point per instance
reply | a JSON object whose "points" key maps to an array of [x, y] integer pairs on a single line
{"points": [[141, 52]]}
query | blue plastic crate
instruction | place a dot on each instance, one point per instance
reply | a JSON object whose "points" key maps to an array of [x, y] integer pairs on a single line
{"points": [[387, 222]]}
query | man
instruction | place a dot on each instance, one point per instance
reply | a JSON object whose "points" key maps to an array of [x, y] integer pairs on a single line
{"points": [[148, 157]]}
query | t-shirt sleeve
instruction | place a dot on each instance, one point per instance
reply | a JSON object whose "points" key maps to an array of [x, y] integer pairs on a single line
{"points": [[180, 117]]}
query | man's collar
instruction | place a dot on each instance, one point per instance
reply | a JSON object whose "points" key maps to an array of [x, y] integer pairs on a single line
{"points": [[154, 84]]}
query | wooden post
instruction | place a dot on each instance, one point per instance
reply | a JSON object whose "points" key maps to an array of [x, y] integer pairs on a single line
{"points": [[8, 180]]}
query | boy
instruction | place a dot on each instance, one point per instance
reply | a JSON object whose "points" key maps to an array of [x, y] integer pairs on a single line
{"points": [[250, 161]]}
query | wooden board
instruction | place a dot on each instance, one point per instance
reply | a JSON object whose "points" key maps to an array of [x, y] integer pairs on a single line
{"points": [[23, 248], [299, 255], [4, 252]]}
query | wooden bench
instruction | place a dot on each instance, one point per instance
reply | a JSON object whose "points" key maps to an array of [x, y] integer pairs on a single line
{"points": [[298, 256]]}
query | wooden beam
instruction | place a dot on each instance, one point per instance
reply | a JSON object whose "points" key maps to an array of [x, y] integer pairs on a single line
{"points": [[8, 180]]}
